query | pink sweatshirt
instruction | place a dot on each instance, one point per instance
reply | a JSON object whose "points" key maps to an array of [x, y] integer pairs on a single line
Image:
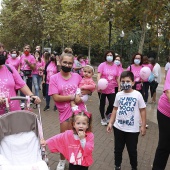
{"points": [[87, 84], [164, 104], [71, 148]]}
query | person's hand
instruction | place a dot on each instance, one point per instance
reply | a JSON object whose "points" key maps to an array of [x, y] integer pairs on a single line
{"points": [[143, 130], [26, 61], [43, 142], [77, 99], [2, 100], [109, 127], [81, 134], [37, 100]]}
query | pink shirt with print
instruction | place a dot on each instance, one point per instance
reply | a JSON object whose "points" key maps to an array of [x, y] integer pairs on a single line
{"points": [[136, 72], [63, 87], [9, 83], [164, 104], [51, 70], [110, 73], [72, 149], [39, 65], [14, 62]]}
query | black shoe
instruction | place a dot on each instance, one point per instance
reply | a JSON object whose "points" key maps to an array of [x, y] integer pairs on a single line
{"points": [[46, 108], [55, 108], [117, 168]]}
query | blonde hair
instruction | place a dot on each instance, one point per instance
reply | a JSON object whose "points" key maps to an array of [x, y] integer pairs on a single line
{"points": [[89, 66], [66, 54]]}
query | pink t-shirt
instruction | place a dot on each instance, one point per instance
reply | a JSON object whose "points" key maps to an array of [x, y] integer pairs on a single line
{"points": [[51, 70], [71, 148], [136, 72], [14, 62], [120, 69], [87, 84], [9, 83], [24, 65], [164, 104], [148, 65], [39, 65], [58, 85], [110, 73]]}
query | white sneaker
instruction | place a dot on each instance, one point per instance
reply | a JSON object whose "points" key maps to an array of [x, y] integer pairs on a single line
{"points": [[61, 165], [22, 105], [104, 122]]}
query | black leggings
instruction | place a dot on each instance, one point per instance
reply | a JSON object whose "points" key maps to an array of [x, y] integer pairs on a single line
{"points": [[77, 167], [111, 99]]}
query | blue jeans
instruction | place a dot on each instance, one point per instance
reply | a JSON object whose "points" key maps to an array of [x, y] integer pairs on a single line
{"points": [[36, 79], [47, 97]]}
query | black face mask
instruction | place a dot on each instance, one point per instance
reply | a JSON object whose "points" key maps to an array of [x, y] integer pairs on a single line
{"points": [[66, 69], [2, 59]]}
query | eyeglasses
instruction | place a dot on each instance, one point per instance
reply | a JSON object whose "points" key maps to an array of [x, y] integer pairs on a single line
{"points": [[65, 63]]}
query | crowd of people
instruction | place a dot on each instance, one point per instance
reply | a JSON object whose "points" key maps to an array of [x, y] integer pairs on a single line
{"points": [[68, 79]]}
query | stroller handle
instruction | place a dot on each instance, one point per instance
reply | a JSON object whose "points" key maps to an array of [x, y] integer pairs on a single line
{"points": [[20, 98]]}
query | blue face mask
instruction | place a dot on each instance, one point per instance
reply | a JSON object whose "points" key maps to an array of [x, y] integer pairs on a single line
{"points": [[109, 58], [137, 61], [125, 86], [117, 62]]}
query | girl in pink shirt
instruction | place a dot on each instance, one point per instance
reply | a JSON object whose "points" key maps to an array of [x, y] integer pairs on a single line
{"points": [[37, 73], [86, 83], [62, 88], [110, 72], [77, 144], [14, 59], [163, 116]]}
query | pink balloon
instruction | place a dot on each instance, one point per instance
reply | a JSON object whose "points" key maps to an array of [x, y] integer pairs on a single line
{"points": [[102, 84], [145, 73]]}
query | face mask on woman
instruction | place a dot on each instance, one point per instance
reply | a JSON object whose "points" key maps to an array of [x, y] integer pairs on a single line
{"points": [[137, 61], [117, 62], [66, 69], [13, 55], [109, 58], [2, 59]]}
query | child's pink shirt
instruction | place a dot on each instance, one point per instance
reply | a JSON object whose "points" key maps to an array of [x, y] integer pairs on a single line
{"points": [[136, 72], [38, 66], [71, 148], [51, 70], [14, 62], [148, 65], [87, 84], [61, 86], [110, 73], [9, 83], [164, 104]]}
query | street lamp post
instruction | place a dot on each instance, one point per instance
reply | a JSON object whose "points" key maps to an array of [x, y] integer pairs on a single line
{"points": [[131, 42], [122, 34], [110, 31]]}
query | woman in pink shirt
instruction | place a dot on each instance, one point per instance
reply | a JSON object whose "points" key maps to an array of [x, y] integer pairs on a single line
{"points": [[135, 67], [62, 88], [10, 81], [110, 72], [163, 116], [77, 144], [14, 59], [37, 73]]}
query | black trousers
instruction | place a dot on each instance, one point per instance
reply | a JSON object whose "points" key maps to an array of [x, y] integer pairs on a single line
{"points": [[102, 98], [130, 140], [145, 90], [77, 167], [163, 149]]}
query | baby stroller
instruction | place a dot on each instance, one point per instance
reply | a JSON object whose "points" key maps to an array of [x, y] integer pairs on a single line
{"points": [[20, 147]]}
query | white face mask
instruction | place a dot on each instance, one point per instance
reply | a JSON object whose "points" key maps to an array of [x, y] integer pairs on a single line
{"points": [[117, 62], [13, 55], [109, 58]]}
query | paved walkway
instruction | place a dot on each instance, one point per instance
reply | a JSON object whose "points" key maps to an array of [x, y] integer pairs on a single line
{"points": [[104, 142]]}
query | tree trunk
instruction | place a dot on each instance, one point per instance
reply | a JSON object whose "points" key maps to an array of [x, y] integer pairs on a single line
{"points": [[141, 43]]}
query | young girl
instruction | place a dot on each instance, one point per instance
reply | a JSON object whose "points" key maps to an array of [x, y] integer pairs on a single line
{"points": [[77, 144], [86, 83]]}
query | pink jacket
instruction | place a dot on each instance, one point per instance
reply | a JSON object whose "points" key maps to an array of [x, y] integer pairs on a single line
{"points": [[87, 84], [71, 148]]}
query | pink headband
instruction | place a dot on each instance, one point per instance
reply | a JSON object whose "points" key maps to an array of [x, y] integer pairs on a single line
{"points": [[84, 111]]}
